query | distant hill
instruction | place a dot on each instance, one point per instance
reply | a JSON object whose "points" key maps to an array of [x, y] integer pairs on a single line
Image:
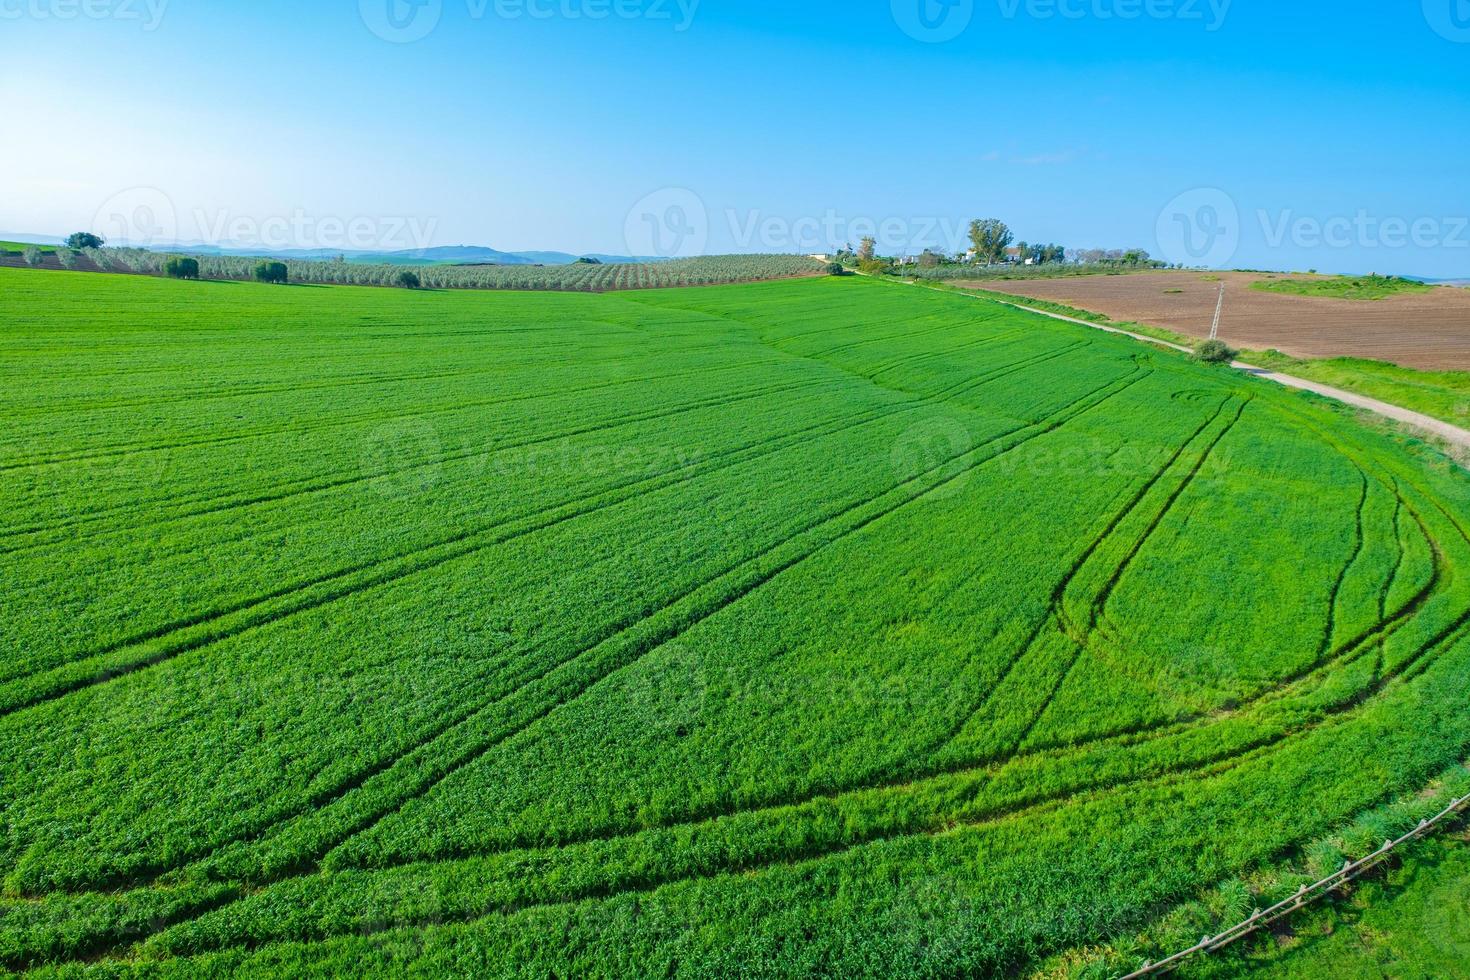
{"points": [[439, 255]]}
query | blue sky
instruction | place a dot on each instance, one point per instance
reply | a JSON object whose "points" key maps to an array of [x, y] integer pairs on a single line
{"points": [[1240, 132]]}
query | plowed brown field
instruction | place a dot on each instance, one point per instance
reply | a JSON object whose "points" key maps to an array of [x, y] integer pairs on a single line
{"points": [[1429, 331]]}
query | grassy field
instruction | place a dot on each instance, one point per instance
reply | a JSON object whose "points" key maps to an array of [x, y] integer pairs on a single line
{"points": [[1413, 924], [1345, 287], [820, 627], [22, 246]]}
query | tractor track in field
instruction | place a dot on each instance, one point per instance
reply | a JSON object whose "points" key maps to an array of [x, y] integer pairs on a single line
{"points": [[1079, 638], [128, 449], [200, 619], [937, 824], [1404, 671], [1045, 426], [104, 673], [650, 484], [1072, 571], [571, 688], [290, 490], [319, 485], [959, 815]]}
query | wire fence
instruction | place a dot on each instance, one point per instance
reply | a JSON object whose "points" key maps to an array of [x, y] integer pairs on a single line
{"points": [[1305, 896]]}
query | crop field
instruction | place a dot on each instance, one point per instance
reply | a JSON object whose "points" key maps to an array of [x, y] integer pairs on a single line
{"points": [[579, 277], [819, 627], [1425, 328]]}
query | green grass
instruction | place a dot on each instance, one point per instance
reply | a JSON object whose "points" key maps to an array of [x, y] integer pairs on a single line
{"points": [[1344, 287], [18, 247], [1415, 922], [828, 626]]}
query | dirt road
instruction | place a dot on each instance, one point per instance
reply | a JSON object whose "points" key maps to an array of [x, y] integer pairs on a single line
{"points": [[1428, 330]]}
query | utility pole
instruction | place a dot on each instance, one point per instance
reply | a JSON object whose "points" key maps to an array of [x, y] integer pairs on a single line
{"points": [[1219, 308]]}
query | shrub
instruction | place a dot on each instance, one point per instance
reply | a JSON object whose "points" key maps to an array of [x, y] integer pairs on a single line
{"points": [[1215, 352], [84, 239], [872, 267], [181, 268], [271, 272], [67, 258], [835, 269], [408, 280], [32, 255]]}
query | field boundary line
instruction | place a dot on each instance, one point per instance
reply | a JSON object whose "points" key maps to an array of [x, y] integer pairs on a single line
{"points": [[1307, 894], [1450, 433]]}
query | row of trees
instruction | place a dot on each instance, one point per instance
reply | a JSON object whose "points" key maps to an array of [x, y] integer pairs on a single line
{"points": [[991, 243]]}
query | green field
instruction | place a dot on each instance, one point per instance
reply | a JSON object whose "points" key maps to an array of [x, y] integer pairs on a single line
{"points": [[19, 247], [822, 627], [1344, 287], [1412, 923]]}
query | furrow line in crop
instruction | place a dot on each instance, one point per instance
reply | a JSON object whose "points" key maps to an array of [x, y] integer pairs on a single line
{"points": [[357, 419], [315, 485], [648, 632]]}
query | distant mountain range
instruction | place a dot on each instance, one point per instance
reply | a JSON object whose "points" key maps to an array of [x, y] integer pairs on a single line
{"points": [[440, 255]]}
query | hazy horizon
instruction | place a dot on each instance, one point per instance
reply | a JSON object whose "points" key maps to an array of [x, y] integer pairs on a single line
{"points": [[1213, 133]]}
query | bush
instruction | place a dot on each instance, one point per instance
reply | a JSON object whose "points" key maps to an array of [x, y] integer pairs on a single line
{"points": [[32, 255], [180, 268], [835, 269], [408, 280], [84, 239], [1215, 352], [872, 267], [271, 272], [67, 258]]}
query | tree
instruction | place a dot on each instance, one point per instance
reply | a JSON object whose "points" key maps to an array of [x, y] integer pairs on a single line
{"points": [[835, 269], [990, 238], [588, 260], [181, 268], [409, 280], [872, 267], [1214, 352], [929, 260], [867, 250], [271, 272], [1024, 250], [32, 255], [84, 239]]}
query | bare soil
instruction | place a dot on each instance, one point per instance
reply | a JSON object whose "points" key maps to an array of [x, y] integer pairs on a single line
{"points": [[1428, 331]]}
